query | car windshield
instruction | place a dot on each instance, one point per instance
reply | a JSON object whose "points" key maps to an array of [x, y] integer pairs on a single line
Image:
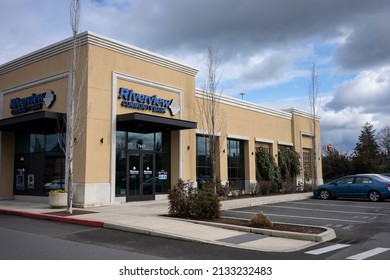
{"points": [[381, 178]]}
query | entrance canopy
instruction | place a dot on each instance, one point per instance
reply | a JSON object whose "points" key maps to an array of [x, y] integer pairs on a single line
{"points": [[137, 122], [42, 122]]}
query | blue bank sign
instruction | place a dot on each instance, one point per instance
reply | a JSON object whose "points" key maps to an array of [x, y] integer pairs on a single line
{"points": [[152, 103], [32, 103]]}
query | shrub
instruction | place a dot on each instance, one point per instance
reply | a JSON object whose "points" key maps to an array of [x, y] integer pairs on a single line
{"points": [[185, 201], [179, 199], [255, 188], [260, 220], [265, 187], [289, 163], [267, 169], [236, 188], [223, 190], [289, 187], [205, 203]]}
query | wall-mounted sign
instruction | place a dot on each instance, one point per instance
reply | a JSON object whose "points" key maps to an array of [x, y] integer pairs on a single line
{"points": [[144, 102], [32, 103], [162, 175]]}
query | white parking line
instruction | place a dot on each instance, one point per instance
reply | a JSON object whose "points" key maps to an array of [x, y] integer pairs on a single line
{"points": [[327, 249], [300, 217], [335, 204], [322, 210], [368, 254]]}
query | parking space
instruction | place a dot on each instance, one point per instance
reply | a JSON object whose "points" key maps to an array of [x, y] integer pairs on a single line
{"points": [[351, 219]]}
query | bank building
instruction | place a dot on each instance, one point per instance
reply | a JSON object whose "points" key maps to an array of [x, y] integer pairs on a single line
{"points": [[140, 126]]}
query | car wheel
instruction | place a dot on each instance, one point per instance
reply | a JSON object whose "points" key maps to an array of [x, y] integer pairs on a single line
{"points": [[324, 194], [374, 196]]}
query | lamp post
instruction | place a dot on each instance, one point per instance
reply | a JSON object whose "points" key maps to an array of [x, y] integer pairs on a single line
{"points": [[242, 95]]}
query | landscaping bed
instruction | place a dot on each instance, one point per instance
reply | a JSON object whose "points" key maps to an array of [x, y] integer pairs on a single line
{"points": [[275, 226]]}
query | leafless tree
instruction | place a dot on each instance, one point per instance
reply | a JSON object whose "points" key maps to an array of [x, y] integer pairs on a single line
{"points": [[383, 137], [213, 118], [74, 128], [314, 108]]}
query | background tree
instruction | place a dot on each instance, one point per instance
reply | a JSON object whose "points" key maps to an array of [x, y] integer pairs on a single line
{"points": [[335, 165], [383, 137], [366, 152], [213, 118], [314, 108]]}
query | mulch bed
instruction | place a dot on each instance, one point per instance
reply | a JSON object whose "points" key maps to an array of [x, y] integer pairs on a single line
{"points": [[74, 213], [275, 226]]}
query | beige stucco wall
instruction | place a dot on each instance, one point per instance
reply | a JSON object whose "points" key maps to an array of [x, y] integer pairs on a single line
{"points": [[36, 77], [143, 77], [258, 126], [7, 147], [106, 70]]}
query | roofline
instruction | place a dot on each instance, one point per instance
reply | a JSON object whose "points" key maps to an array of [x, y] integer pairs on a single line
{"points": [[88, 37], [231, 101], [302, 113]]}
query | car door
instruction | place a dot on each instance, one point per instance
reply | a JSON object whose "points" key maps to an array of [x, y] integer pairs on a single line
{"points": [[362, 186], [343, 187]]}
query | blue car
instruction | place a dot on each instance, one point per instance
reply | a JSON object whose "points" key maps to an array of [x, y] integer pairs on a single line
{"points": [[375, 187]]}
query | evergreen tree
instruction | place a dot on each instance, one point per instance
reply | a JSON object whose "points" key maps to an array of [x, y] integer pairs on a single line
{"points": [[335, 165], [367, 151]]}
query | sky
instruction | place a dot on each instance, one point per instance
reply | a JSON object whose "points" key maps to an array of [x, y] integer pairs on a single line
{"points": [[266, 48]]}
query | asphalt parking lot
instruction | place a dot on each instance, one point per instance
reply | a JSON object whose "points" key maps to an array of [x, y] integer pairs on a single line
{"points": [[353, 220]]}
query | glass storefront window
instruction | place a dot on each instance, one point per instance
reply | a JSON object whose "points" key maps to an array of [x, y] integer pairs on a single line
{"points": [[158, 143], [37, 143], [139, 141], [41, 161], [203, 164], [52, 143], [236, 168]]}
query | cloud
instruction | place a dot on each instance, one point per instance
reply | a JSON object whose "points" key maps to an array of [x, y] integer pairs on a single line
{"points": [[367, 45], [370, 90], [266, 47], [267, 69], [355, 102]]}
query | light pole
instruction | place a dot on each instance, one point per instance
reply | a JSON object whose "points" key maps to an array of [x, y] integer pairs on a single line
{"points": [[242, 95]]}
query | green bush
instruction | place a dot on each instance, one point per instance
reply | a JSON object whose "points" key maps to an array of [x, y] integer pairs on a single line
{"points": [[289, 163], [267, 170], [179, 199], [185, 201]]}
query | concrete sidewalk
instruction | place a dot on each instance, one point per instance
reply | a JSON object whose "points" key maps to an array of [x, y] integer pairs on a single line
{"points": [[147, 217]]}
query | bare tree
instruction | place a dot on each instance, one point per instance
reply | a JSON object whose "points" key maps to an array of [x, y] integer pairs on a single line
{"points": [[383, 137], [314, 108], [72, 122], [213, 119]]}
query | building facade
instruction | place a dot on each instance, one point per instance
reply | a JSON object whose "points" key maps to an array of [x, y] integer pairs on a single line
{"points": [[139, 126]]}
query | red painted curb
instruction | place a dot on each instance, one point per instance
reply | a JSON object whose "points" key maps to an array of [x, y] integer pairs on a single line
{"points": [[53, 218]]}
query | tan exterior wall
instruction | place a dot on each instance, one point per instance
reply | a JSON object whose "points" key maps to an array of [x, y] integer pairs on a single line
{"points": [[109, 71], [108, 67], [7, 147], [260, 127]]}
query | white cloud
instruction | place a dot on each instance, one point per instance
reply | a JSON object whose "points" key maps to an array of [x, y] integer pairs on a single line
{"points": [[370, 89], [266, 47]]}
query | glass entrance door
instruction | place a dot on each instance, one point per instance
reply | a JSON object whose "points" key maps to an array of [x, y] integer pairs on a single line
{"points": [[141, 179]]}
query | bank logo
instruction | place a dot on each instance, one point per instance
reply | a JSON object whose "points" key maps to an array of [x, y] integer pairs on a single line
{"points": [[143, 102], [174, 107], [49, 99], [32, 103]]}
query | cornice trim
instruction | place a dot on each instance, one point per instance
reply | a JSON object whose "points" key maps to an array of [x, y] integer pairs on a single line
{"points": [[88, 37]]}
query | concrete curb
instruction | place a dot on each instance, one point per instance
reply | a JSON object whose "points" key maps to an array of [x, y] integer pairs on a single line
{"points": [[154, 233], [50, 217], [327, 235]]}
